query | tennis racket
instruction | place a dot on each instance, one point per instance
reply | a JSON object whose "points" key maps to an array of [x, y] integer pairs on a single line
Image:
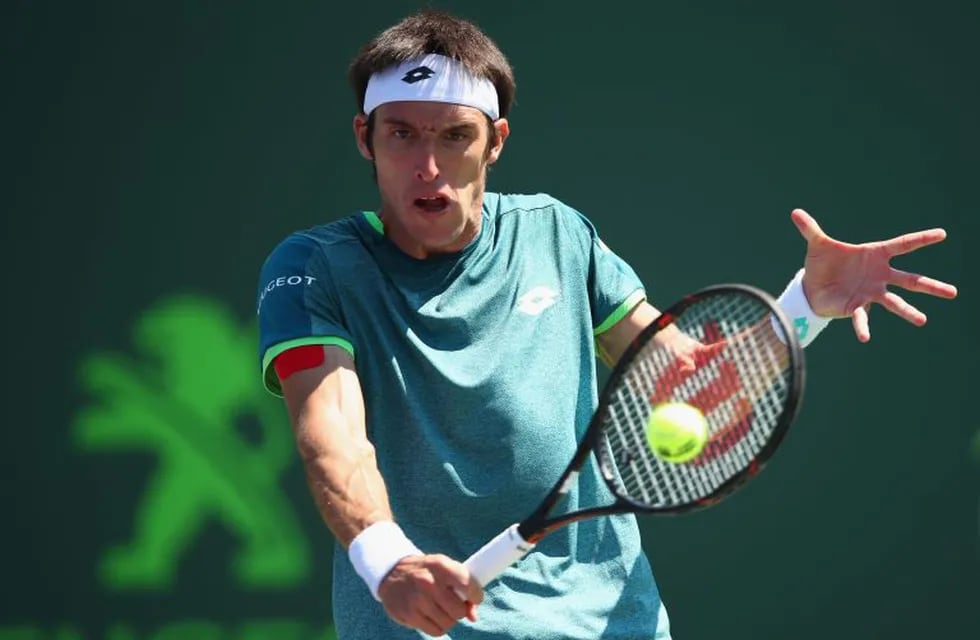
{"points": [[728, 351]]}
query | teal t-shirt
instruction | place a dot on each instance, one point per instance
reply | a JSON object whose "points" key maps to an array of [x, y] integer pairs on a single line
{"points": [[478, 373]]}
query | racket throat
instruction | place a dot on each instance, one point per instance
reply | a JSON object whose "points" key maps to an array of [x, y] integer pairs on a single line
{"points": [[567, 484]]}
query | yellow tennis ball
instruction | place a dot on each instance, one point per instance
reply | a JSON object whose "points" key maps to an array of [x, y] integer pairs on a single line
{"points": [[676, 431]]}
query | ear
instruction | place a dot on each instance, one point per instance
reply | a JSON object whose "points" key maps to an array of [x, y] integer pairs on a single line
{"points": [[360, 135], [503, 130]]}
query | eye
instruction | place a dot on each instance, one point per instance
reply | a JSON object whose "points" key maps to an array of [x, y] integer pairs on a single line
{"points": [[456, 136], [401, 134]]}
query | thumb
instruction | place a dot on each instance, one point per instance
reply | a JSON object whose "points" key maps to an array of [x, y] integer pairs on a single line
{"points": [[806, 225]]}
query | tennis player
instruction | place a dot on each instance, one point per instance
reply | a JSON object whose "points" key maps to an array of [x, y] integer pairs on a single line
{"points": [[437, 358]]}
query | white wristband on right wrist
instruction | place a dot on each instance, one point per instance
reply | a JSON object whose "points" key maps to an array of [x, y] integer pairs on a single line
{"points": [[376, 550], [794, 304]]}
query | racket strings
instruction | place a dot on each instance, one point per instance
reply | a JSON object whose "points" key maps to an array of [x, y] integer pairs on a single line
{"points": [[722, 356]]}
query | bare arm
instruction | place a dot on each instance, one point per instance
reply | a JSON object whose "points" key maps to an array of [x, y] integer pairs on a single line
{"points": [[841, 279], [688, 353], [614, 342], [326, 409], [618, 337]]}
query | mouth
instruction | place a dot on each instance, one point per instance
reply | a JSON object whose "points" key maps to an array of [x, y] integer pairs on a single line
{"points": [[432, 204]]}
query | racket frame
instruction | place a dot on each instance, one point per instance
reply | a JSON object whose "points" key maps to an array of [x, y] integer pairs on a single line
{"points": [[540, 523]]}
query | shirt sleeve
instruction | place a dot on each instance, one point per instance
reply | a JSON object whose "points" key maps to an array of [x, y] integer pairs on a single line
{"points": [[614, 288], [296, 305]]}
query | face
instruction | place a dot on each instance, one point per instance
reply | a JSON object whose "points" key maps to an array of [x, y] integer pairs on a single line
{"points": [[431, 160]]}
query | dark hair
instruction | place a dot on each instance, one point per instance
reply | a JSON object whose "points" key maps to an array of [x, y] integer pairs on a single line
{"points": [[438, 32]]}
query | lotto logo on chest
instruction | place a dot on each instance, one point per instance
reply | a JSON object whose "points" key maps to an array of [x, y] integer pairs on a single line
{"points": [[537, 300]]}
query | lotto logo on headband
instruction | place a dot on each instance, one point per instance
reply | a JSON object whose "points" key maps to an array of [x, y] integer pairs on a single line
{"points": [[446, 80], [418, 74]]}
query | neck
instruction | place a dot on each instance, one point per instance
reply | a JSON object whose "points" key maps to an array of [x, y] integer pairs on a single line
{"points": [[420, 250]]}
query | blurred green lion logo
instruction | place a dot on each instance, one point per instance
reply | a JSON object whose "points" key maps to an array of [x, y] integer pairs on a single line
{"points": [[184, 394]]}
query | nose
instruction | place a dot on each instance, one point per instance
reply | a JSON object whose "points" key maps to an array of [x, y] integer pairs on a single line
{"points": [[426, 167]]}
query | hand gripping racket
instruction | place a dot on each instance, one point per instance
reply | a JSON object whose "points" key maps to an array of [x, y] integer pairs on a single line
{"points": [[728, 351]]}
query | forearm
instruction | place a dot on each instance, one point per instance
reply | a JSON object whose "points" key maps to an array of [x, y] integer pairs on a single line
{"points": [[326, 409], [803, 322], [342, 473]]}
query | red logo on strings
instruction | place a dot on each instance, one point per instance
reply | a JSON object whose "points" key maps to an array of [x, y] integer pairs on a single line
{"points": [[723, 387]]}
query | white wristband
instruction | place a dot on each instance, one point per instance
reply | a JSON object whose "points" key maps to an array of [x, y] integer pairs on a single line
{"points": [[377, 549], [794, 304]]}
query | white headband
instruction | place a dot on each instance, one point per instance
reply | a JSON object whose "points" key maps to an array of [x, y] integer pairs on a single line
{"points": [[431, 78]]}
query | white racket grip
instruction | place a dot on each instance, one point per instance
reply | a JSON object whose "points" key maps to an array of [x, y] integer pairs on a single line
{"points": [[498, 554]]}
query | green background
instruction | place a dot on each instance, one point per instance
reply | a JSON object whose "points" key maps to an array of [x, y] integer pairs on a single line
{"points": [[157, 149]]}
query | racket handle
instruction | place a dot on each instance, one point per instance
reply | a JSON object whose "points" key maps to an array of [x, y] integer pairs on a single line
{"points": [[498, 554]]}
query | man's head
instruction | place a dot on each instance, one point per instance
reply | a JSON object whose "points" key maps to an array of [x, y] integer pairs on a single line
{"points": [[433, 93]]}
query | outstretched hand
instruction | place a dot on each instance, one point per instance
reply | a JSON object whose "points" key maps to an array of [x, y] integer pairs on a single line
{"points": [[844, 280]]}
